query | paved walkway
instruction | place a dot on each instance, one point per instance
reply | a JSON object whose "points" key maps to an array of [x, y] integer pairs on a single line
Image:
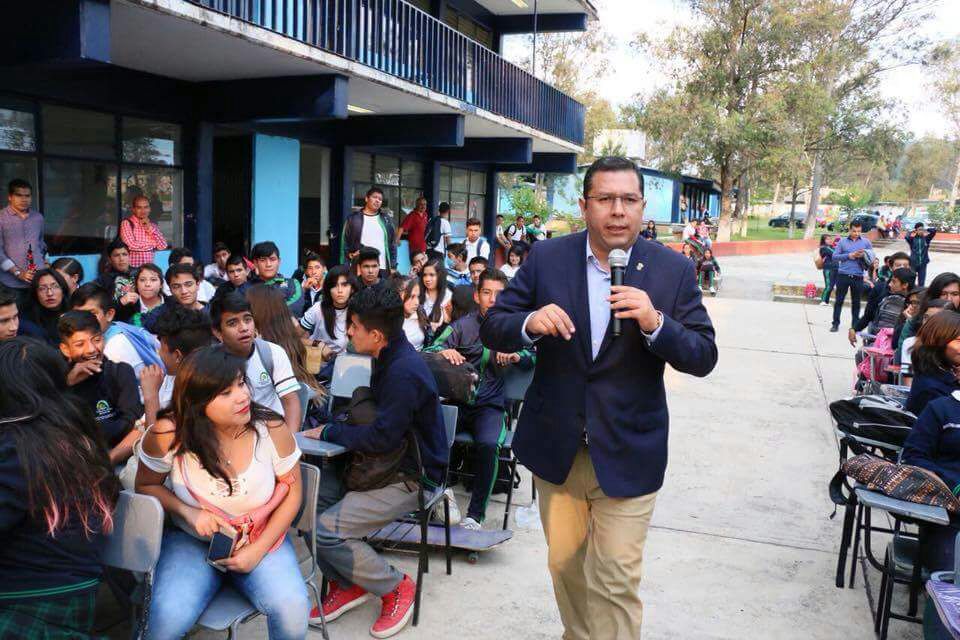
{"points": [[742, 545]]}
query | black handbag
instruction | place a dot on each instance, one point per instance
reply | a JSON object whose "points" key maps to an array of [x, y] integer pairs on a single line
{"points": [[368, 471]]}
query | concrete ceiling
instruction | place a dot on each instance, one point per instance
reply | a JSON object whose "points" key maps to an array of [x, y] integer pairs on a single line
{"points": [[510, 7], [176, 46]]}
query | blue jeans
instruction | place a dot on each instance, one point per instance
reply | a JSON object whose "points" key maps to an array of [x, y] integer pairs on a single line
{"points": [[185, 584]]}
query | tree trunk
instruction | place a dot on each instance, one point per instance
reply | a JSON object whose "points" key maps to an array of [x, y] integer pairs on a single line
{"points": [[793, 209], [726, 211], [955, 189], [745, 218], [810, 226], [775, 205]]}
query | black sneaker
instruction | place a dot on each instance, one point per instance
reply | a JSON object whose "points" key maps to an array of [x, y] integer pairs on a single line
{"points": [[834, 328]]}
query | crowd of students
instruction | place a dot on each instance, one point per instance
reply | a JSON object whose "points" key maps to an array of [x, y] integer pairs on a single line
{"points": [[189, 383]]}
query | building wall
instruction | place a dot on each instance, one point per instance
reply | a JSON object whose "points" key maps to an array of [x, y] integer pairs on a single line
{"points": [[276, 196]]}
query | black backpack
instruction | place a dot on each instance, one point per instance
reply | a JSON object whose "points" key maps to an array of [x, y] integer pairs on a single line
{"points": [[433, 234]]}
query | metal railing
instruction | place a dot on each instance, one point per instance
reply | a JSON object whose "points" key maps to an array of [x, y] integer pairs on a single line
{"points": [[399, 39]]}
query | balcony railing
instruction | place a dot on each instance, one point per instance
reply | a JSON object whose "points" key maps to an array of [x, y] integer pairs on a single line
{"points": [[403, 41]]}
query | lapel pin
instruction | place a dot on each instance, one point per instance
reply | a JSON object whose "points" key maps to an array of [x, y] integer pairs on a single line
{"points": [[639, 266]]}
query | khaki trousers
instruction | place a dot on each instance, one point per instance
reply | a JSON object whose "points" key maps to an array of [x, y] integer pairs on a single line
{"points": [[595, 554]]}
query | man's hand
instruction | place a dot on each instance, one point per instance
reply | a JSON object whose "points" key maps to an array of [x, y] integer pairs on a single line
{"points": [[550, 320], [151, 377], [506, 359], [453, 357], [26, 275], [83, 370], [313, 434], [857, 254], [632, 303], [852, 337]]}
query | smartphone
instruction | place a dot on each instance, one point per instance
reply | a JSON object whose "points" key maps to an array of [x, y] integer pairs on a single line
{"points": [[222, 544]]}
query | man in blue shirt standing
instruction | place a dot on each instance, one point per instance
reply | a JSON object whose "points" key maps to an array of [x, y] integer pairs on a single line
{"points": [[849, 256]]}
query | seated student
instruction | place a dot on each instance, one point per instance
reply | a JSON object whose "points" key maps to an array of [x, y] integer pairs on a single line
{"points": [[217, 452], [57, 494], [883, 313], [268, 369], [406, 397], [266, 257], [181, 331], [415, 324], [484, 418], [11, 324], [936, 359], [477, 266], [182, 255], [435, 295], [237, 275], [116, 278], [417, 261], [475, 244], [325, 323], [501, 235], [148, 284], [184, 287], [708, 267], [650, 231], [312, 285], [71, 270], [48, 301], [945, 286], [108, 388], [515, 257], [368, 267], [458, 273], [216, 272], [536, 230], [933, 308], [122, 342]]}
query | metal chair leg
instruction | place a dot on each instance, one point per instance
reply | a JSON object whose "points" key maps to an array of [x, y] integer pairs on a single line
{"points": [[915, 578], [878, 617], [533, 488], [846, 532], [513, 477], [446, 533], [891, 584], [421, 566], [323, 621], [857, 528]]}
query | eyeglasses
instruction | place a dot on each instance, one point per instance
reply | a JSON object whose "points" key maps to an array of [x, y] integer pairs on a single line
{"points": [[48, 288], [607, 201]]}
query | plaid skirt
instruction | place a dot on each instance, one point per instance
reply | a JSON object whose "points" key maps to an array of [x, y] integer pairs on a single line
{"points": [[68, 617]]}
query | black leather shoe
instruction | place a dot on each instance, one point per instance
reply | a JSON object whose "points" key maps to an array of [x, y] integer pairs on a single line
{"points": [[834, 328]]}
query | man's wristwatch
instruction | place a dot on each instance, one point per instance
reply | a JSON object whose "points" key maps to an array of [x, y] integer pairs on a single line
{"points": [[16, 272]]}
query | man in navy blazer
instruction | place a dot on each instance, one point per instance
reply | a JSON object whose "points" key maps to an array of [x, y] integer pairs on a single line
{"points": [[593, 429]]}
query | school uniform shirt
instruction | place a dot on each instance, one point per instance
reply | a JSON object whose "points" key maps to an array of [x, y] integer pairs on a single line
{"points": [[205, 291], [516, 233], [373, 235], [114, 397], [509, 270], [457, 278], [311, 296], [927, 387], [479, 248], [266, 390], [445, 232], [119, 349], [428, 304], [214, 275], [312, 322], [413, 331], [934, 442]]}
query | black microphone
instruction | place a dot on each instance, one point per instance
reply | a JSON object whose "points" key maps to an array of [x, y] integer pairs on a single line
{"points": [[618, 266]]}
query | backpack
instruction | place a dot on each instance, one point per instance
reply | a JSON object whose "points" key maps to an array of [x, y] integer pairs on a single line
{"points": [[889, 312], [142, 341], [818, 261], [433, 235]]}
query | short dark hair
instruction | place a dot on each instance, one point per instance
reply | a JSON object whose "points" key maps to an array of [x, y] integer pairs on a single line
{"points": [[264, 250], [378, 307], [236, 258], [473, 222], [906, 275], [315, 257], [70, 266], [458, 249], [74, 321], [919, 225], [499, 215], [18, 183], [899, 255], [929, 352], [115, 244], [92, 292], [227, 302], [177, 254], [368, 253], [443, 208], [179, 270], [7, 297], [220, 246], [183, 330], [492, 274], [856, 223], [373, 190], [610, 164], [478, 260]]}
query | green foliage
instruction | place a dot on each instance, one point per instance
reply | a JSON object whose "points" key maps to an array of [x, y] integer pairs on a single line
{"points": [[944, 215], [851, 200], [525, 201]]}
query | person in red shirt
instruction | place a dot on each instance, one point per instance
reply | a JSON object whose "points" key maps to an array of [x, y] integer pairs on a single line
{"points": [[415, 227], [141, 236]]}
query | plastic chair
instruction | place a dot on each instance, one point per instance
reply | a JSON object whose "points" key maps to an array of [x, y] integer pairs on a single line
{"points": [[350, 370], [230, 609], [134, 545], [945, 598]]}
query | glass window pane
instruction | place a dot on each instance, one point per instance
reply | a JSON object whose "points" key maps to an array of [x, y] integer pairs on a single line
{"points": [[17, 130], [77, 132], [80, 205], [408, 199], [475, 207], [444, 197], [360, 193], [461, 180], [19, 167], [164, 190], [458, 215], [387, 170], [445, 177], [362, 167], [149, 141], [478, 183], [411, 174], [391, 202]]}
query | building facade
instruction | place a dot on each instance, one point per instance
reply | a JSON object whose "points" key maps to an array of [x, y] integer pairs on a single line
{"points": [[251, 120]]}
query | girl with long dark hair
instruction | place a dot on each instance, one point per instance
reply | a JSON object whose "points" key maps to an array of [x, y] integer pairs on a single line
{"points": [[935, 360], [213, 455], [71, 270], [514, 260], [829, 268], [57, 493], [48, 301], [945, 286], [326, 321], [271, 315], [148, 285], [415, 323], [435, 297]]}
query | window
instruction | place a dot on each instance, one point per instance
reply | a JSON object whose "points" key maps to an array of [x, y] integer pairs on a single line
{"points": [[14, 166], [401, 181], [17, 130], [79, 205], [150, 142], [466, 192], [77, 132], [163, 187]]}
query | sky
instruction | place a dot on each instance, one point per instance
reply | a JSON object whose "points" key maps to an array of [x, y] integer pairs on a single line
{"points": [[633, 73]]}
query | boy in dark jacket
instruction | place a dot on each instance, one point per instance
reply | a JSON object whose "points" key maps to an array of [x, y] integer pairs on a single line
{"points": [[485, 417], [919, 240]]}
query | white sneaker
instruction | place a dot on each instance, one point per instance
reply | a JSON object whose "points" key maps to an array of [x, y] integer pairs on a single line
{"points": [[713, 290], [823, 303], [455, 514], [470, 524]]}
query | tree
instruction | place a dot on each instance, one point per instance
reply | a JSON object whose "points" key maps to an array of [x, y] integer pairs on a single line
{"points": [[946, 85], [925, 166]]}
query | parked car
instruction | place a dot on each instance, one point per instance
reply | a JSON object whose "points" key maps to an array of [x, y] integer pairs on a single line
{"points": [[867, 221], [784, 221], [840, 224]]}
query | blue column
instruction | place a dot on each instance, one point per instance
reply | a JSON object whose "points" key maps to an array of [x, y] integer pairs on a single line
{"points": [[276, 196], [490, 209], [198, 191], [341, 195]]}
